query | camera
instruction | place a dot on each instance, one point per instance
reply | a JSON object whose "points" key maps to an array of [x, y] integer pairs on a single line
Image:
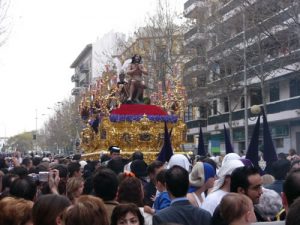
{"points": [[41, 176]]}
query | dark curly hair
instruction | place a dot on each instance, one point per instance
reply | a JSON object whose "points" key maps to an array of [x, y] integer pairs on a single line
{"points": [[131, 191], [133, 60]]}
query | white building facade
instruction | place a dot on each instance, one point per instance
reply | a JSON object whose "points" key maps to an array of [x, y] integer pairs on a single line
{"points": [[248, 51]]}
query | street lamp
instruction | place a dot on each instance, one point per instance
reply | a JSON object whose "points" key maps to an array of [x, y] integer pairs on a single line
{"points": [[255, 109]]}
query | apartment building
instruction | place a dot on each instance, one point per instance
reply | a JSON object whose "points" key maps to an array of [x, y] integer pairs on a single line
{"points": [[248, 53], [82, 65]]}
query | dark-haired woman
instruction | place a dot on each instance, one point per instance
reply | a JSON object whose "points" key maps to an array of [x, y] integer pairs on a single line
{"points": [[127, 214]]}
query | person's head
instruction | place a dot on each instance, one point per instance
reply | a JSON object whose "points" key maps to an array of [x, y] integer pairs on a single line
{"points": [[211, 162], [281, 155], [153, 168], [230, 156], [116, 164], [291, 188], [270, 203], [23, 188], [74, 187], [20, 171], [139, 168], [268, 179], [202, 173], [293, 217], [122, 76], [36, 160], [15, 211], [63, 175], [74, 169], [76, 157], [48, 209], [131, 191], [295, 164], [280, 168], [237, 208], [127, 214], [114, 151], [292, 152], [136, 59], [27, 162], [160, 180], [177, 181], [137, 155], [224, 174], [179, 160], [87, 210], [105, 183], [247, 180]]}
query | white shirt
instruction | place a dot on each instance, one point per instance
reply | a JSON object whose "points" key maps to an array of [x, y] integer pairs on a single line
{"points": [[213, 200]]}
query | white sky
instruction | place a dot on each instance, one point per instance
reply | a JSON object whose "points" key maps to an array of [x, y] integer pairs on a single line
{"points": [[46, 38]]}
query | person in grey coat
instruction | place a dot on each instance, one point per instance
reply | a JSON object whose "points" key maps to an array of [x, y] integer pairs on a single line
{"points": [[181, 211]]}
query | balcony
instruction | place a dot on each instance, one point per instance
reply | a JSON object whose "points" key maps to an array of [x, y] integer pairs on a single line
{"points": [[196, 123], [75, 78], [76, 91], [199, 60], [195, 36], [84, 69], [195, 66], [272, 108], [192, 8]]}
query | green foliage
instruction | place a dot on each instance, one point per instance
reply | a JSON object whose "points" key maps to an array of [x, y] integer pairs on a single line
{"points": [[21, 142]]}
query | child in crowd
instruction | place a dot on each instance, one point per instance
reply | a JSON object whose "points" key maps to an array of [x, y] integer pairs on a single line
{"points": [[162, 200]]}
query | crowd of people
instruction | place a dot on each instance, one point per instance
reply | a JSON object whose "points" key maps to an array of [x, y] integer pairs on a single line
{"points": [[229, 190]]}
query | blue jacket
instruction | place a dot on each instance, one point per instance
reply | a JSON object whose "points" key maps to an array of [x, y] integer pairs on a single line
{"points": [[162, 201]]}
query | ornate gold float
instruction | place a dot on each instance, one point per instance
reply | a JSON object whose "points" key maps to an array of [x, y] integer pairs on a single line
{"points": [[107, 121]]}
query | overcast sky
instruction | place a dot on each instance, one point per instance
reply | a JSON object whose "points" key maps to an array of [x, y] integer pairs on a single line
{"points": [[46, 38]]}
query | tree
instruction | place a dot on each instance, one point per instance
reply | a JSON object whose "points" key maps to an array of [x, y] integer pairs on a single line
{"points": [[160, 43], [60, 131], [22, 142]]}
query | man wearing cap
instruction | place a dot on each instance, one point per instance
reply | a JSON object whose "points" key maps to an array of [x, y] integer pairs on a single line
{"points": [[114, 152]]}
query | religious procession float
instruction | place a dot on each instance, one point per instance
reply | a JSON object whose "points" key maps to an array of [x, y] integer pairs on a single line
{"points": [[116, 113]]}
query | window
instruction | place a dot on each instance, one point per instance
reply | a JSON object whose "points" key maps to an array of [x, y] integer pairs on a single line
{"points": [[294, 87], [242, 147], [215, 107], [201, 82], [194, 82], [274, 92], [255, 97], [203, 112], [213, 8], [228, 70], [213, 41], [190, 138], [242, 102], [188, 113], [279, 143], [226, 105]]}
